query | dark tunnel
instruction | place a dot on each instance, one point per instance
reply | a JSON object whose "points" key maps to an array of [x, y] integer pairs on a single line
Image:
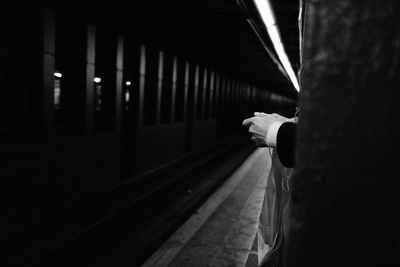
{"points": [[122, 122]]}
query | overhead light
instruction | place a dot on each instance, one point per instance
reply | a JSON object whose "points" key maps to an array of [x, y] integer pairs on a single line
{"points": [[127, 96], [267, 15], [97, 80], [128, 83], [58, 74]]}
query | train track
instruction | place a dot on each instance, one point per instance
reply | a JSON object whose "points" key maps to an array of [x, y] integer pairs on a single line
{"points": [[125, 224]]}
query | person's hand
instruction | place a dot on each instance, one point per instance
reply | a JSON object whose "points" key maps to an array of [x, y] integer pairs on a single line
{"points": [[259, 125], [275, 116]]}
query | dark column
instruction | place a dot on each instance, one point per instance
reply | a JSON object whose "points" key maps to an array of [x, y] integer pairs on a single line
{"points": [[159, 86], [173, 93], [346, 183], [248, 99], [241, 101], [210, 99], [91, 43], [227, 100], [204, 94], [191, 83], [196, 91], [216, 96], [186, 91], [48, 72], [119, 83], [224, 86], [239, 105], [232, 110], [253, 98], [71, 62], [142, 80]]}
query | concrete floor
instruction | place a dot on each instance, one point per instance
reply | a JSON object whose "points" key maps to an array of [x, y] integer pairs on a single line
{"points": [[223, 231]]}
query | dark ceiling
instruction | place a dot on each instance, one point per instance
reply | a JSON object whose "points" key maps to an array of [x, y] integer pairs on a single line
{"points": [[287, 13], [214, 33]]}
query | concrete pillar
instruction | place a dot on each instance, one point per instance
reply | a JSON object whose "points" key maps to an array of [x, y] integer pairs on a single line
{"points": [[119, 84], [174, 84], [204, 94], [196, 91], [221, 99], [142, 80], [159, 86], [345, 200], [210, 99], [48, 72], [186, 91], [90, 68]]}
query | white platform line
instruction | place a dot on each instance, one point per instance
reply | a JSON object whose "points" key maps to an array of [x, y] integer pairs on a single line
{"points": [[168, 251]]}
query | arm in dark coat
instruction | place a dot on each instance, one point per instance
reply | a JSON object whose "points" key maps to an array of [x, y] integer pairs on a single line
{"points": [[285, 143]]}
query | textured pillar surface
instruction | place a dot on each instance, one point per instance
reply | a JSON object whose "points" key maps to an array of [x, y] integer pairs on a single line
{"points": [[345, 205]]}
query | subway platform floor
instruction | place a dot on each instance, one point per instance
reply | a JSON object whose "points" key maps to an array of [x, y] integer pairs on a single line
{"points": [[223, 231]]}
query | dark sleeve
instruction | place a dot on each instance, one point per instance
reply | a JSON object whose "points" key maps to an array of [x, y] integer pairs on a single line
{"points": [[285, 143]]}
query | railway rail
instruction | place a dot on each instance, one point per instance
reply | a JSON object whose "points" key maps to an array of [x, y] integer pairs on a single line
{"points": [[114, 226]]}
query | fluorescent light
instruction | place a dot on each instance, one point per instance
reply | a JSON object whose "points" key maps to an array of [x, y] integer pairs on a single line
{"points": [[268, 17], [58, 74], [128, 83], [265, 9], [97, 80]]}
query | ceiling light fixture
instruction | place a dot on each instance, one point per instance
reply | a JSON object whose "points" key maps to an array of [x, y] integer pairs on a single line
{"points": [[267, 14], [57, 74]]}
